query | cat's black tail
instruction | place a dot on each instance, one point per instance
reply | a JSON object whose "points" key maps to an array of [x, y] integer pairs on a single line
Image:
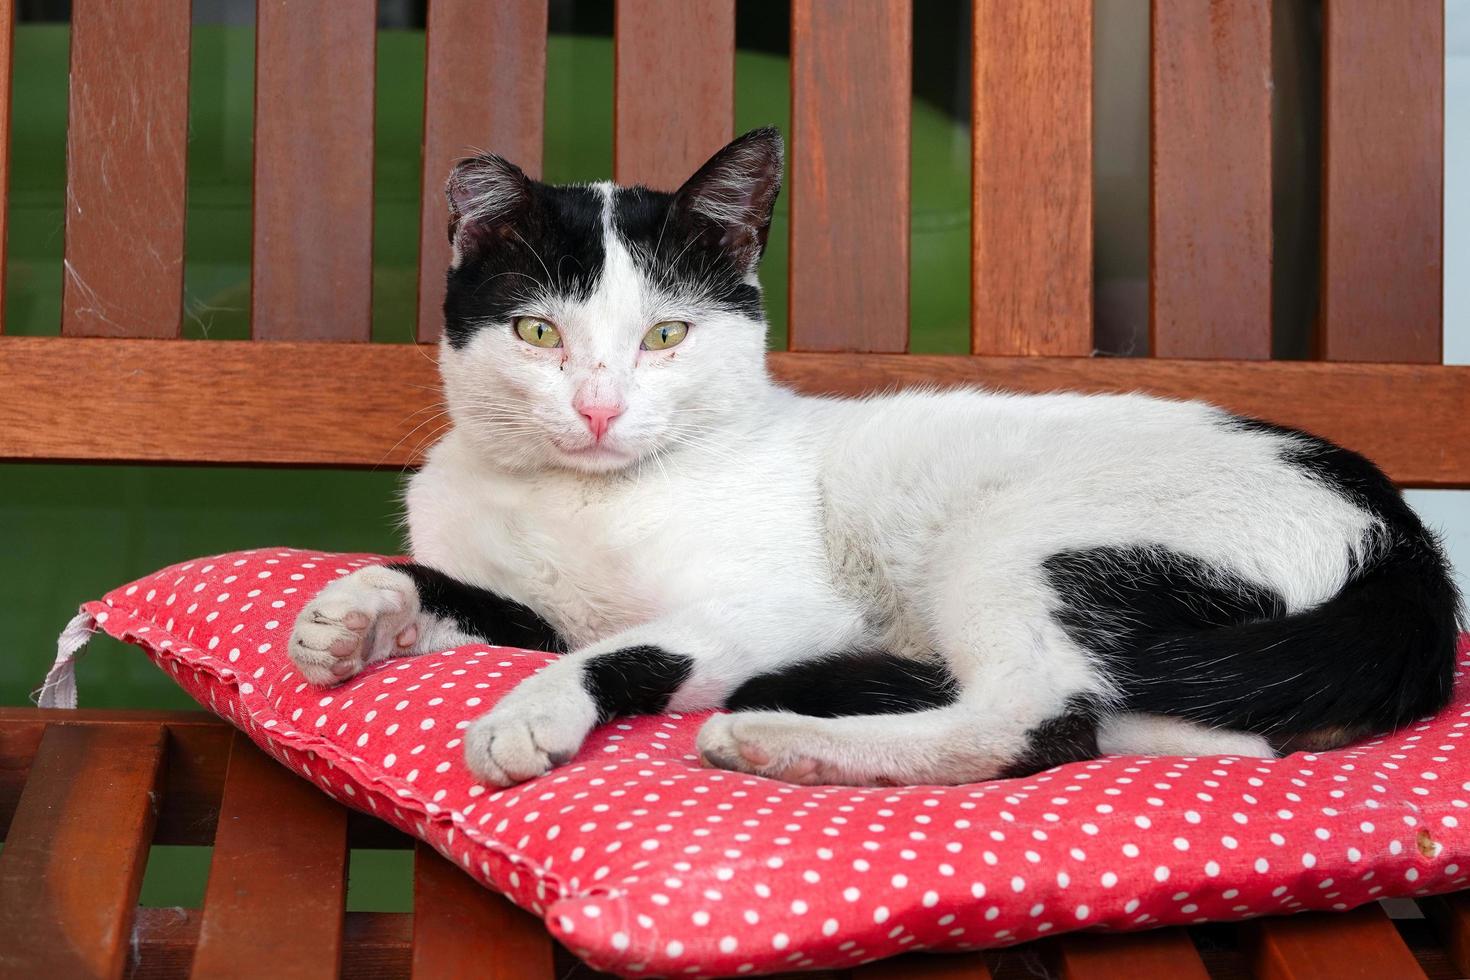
{"points": [[1376, 656]]}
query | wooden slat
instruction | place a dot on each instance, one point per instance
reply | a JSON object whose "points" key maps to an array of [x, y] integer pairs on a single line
{"points": [[359, 404], [461, 929], [925, 966], [73, 862], [1031, 177], [1450, 915], [1358, 945], [7, 40], [280, 863], [849, 166], [484, 91], [126, 137], [1383, 180], [673, 88], [313, 249], [1210, 256], [1168, 953]]}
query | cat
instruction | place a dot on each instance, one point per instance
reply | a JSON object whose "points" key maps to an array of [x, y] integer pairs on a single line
{"points": [[925, 587]]}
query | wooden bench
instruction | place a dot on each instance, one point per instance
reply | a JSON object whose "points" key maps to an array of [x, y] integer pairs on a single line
{"points": [[84, 794]]}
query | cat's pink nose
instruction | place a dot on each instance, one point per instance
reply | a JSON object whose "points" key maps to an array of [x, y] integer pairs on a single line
{"points": [[599, 417]]}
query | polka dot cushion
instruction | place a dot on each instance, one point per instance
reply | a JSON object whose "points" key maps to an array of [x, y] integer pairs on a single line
{"points": [[644, 863]]}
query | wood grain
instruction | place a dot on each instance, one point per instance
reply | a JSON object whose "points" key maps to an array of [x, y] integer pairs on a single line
{"points": [[1210, 214], [374, 404], [849, 165], [1383, 180], [484, 92], [73, 861], [278, 879], [7, 44], [1166, 953], [1450, 915], [1031, 178], [925, 966], [1358, 945], [673, 88], [312, 259], [126, 136], [461, 929]]}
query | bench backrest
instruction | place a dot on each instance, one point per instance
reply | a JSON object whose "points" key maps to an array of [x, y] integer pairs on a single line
{"points": [[104, 391]]}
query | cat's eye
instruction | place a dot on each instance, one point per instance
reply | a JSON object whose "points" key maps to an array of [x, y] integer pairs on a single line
{"points": [[670, 333], [537, 332]]}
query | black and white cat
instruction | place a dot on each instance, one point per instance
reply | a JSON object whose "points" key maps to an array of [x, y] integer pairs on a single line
{"points": [[927, 587]]}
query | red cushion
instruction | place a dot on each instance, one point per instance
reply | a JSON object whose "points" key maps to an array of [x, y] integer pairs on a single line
{"points": [[641, 861]]}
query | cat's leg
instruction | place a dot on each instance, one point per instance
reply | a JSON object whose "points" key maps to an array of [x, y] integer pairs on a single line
{"points": [[403, 610], [1140, 734], [693, 658]]}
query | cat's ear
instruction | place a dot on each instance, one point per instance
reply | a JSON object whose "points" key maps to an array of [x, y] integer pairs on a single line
{"points": [[735, 192], [487, 196]]}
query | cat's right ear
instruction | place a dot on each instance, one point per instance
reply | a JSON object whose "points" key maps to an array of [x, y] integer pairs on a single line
{"points": [[487, 196]]}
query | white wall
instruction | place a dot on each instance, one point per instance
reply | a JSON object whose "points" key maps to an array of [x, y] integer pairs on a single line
{"points": [[1449, 510]]}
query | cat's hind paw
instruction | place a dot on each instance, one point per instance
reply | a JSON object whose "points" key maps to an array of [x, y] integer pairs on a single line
{"points": [[761, 743], [359, 619]]}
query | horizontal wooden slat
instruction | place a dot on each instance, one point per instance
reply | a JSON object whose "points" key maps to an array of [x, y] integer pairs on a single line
{"points": [[926, 966], [359, 404], [1358, 945], [461, 929], [127, 129], [1031, 201], [1168, 954], [280, 862], [73, 861], [674, 88], [198, 750], [375, 945], [484, 91]]}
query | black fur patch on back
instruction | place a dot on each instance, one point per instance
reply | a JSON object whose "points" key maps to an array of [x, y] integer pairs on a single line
{"points": [[1071, 736], [1118, 601], [858, 683], [480, 612], [555, 247], [634, 680]]}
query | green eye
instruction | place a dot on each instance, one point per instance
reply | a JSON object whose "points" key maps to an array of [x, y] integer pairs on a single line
{"points": [[670, 333], [537, 332]]}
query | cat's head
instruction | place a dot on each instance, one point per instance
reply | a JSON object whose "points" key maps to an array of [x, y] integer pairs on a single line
{"points": [[590, 326]]}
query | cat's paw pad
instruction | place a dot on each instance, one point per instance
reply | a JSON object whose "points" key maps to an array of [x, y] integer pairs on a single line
{"points": [[769, 744], [357, 620], [524, 737]]}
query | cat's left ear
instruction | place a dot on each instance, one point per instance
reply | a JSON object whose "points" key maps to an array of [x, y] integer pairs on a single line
{"points": [[735, 193]]}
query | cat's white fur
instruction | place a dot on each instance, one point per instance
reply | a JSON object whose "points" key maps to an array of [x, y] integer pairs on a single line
{"points": [[740, 524]]}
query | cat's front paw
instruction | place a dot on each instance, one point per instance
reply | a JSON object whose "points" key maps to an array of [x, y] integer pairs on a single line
{"points": [[359, 619], [542, 723]]}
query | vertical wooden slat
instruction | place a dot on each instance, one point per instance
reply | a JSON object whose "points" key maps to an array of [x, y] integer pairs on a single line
{"points": [[7, 40], [126, 136], [73, 861], [1031, 201], [277, 880], [484, 90], [1168, 953], [1358, 945], [461, 929], [1383, 180], [849, 166], [673, 88], [313, 250], [1210, 257]]}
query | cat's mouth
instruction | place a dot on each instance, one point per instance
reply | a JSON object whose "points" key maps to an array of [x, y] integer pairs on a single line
{"points": [[592, 455]]}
